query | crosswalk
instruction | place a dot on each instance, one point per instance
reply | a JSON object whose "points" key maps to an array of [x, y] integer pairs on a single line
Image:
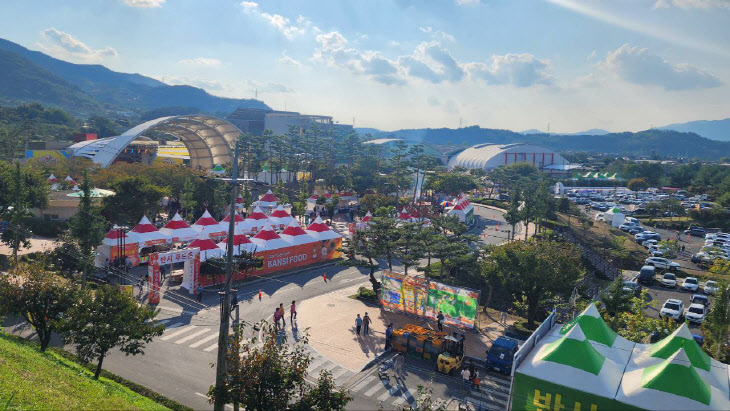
{"points": [[493, 394], [387, 393]]}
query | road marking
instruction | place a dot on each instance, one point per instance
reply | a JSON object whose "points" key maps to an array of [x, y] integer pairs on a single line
{"points": [[174, 326], [193, 335], [164, 321], [374, 389], [399, 401], [204, 340], [183, 330], [211, 348], [316, 363], [347, 280], [357, 387], [339, 373]]}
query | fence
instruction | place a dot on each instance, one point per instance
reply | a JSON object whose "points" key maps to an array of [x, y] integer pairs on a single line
{"points": [[526, 349]]}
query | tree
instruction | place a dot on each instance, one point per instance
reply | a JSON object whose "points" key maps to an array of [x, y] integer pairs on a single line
{"points": [[386, 235], [269, 374], [38, 296], [16, 212], [535, 271], [134, 197], [87, 228], [635, 325], [105, 319], [616, 300], [717, 322], [407, 248], [187, 197], [637, 184], [363, 244]]}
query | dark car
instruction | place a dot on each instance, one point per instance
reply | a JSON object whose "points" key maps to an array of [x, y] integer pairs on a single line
{"points": [[501, 355], [632, 287], [503, 197], [646, 275], [695, 231]]}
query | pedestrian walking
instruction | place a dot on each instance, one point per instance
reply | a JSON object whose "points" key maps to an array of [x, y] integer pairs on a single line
{"points": [[366, 324], [358, 324], [281, 312], [440, 321], [277, 317], [293, 312], [503, 316], [466, 378], [200, 293], [682, 247], [398, 363], [388, 336]]}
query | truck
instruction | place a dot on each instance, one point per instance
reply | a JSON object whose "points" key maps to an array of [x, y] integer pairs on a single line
{"points": [[501, 354]]}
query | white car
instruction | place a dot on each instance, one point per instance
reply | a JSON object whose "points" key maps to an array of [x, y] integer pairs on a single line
{"points": [[669, 280], [662, 263], [710, 287], [672, 308], [650, 243], [695, 313], [690, 284]]}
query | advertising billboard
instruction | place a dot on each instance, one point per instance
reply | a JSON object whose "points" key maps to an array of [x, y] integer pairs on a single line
{"points": [[404, 292], [458, 305]]}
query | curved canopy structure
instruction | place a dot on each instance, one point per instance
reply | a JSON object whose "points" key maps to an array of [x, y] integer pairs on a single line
{"points": [[208, 140], [490, 156]]}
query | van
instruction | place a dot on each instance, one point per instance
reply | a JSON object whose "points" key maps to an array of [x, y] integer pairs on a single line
{"points": [[646, 275]]}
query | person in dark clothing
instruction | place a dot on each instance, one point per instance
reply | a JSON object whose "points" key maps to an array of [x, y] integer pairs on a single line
{"points": [[366, 324], [292, 312], [200, 293], [440, 321], [388, 335], [358, 324]]}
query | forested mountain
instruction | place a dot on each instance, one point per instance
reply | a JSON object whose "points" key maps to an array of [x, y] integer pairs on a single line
{"points": [[712, 129], [87, 89], [648, 142]]}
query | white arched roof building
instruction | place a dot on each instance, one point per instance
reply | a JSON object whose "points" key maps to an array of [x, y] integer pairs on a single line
{"points": [[208, 140], [491, 156]]}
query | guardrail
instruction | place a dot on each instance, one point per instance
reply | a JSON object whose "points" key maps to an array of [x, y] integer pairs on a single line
{"points": [[527, 348]]}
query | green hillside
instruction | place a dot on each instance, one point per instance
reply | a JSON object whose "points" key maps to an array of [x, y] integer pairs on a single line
{"points": [[47, 381]]}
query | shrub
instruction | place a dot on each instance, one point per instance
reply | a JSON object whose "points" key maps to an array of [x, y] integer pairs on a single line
{"points": [[364, 293], [45, 228]]}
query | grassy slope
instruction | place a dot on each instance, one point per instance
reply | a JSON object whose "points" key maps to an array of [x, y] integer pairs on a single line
{"points": [[51, 382]]}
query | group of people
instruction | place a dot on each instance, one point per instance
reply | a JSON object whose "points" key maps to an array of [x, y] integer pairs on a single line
{"points": [[279, 314], [362, 323], [470, 376]]}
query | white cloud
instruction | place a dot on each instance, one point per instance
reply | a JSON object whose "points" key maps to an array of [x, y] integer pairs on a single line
{"points": [[437, 34], [144, 3], [692, 4], [639, 66], [288, 61], [201, 62], [467, 2], [520, 70], [66, 46], [267, 87], [431, 62], [284, 25], [232, 89]]}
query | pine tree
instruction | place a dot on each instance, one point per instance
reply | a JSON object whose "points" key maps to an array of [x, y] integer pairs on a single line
{"points": [[87, 227]]}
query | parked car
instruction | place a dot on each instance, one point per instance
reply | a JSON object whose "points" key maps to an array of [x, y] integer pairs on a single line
{"points": [[669, 280], [695, 231], [700, 299], [647, 235], [501, 354], [695, 313], [662, 263], [632, 287], [636, 229], [690, 284], [710, 287], [646, 275], [672, 308]]}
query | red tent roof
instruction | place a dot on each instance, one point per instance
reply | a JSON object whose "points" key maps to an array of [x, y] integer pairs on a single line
{"points": [[314, 195], [115, 233], [257, 215], [280, 212], [318, 226], [267, 233], [294, 229], [327, 194], [176, 223], [458, 207], [204, 244], [347, 194], [237, 218], [52, 178], [206, 219], [269, 197], [404, 215], [238, 239], [239, 199], [367, 217], [70, 180], [144, 226]]}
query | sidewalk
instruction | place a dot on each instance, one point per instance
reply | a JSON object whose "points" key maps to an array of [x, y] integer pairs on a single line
{"points": [[330, 320]]}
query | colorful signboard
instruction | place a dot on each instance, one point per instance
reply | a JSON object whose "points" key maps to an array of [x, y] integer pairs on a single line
{"points": [[458, 305], [534, 394]]}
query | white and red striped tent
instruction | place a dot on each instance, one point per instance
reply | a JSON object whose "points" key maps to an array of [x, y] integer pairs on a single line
{"points": [[52, 178], [267, 200], [240, 243], [208, 248], [295, 234], [179, 230], [206, 223], [267, 239], [70, 180], [239, 202], [148, 234], [327, 194], [112, 238], [321, 231], [255, 221], [367, 218], [239, 222], [404, 215], [313, 198], [279, 218]]}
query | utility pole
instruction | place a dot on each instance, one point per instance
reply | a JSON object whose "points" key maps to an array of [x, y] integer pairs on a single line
{"points": [[221, 371]]}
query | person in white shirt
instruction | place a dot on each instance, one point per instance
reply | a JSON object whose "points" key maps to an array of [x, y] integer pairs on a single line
{"points": [[466, 377]]}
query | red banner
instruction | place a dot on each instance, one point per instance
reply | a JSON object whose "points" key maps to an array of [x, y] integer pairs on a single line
{"points": [[130, 251], [153, 279]]}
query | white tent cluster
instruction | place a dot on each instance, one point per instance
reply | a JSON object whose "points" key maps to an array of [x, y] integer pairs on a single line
{"points": [[462, 208], [586, 364]]}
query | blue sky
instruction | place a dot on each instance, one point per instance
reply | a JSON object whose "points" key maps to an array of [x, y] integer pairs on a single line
{"points": [[514, 64]]}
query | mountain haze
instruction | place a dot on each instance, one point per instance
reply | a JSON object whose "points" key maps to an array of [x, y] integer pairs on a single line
{"points": [[87, 89], [712, 129]]}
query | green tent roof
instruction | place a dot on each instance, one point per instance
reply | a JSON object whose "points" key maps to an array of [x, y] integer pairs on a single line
{"points": [[574, 350], [592, 326], [681, 339], [676, 376]]}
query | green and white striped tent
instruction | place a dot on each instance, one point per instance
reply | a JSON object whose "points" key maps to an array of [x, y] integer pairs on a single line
{"points": [[584, 365]]}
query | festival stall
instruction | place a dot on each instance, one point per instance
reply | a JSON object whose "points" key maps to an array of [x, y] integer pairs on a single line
{"points": [[70, 180], [239, 202], [267, 239], [208, 248], [148, 235], [267, 201], [117, 244], [295, 235], [404, 215], [240, 243], [179, 230], [207, 223], [279, 218], [255, 221], [313, 198], [238, 221]]}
